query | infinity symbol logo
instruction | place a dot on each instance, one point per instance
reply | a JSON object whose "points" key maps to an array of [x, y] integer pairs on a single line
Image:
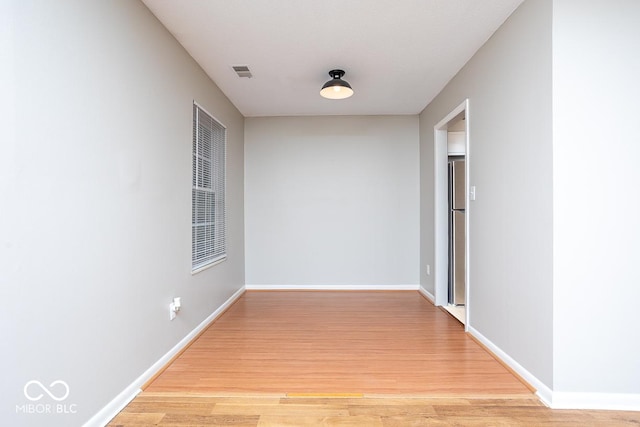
{"points": [[46, 390]]}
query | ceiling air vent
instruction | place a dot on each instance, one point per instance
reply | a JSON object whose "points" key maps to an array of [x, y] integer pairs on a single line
{"points": [[242, 71]]}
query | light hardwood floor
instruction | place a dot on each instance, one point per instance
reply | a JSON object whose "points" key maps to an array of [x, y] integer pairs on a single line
{"points": [[342, 358], [362, 342], [177, 409]]}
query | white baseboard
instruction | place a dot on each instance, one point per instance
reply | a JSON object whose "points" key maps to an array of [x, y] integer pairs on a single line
{"points": [[106, 414], [543, 392], [608, 401], [258, 287], [427, 295], [112, 409], [564, 400]]}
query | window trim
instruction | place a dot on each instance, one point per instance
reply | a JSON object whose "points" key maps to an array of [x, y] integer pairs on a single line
{"points": [[222, 256]]}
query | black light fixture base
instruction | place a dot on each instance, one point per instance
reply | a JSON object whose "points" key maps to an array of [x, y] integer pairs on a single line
{"points": [[336, 74]]}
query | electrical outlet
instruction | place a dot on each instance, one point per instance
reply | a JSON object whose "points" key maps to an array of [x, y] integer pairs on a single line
{"points": [[428, 269], [174, 307], [172, 311]]}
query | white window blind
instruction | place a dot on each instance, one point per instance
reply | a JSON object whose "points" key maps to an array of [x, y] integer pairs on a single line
{"points": [[208, 242]]}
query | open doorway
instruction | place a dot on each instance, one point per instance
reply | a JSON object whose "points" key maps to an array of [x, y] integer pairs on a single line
{"points": [[451, 166]]}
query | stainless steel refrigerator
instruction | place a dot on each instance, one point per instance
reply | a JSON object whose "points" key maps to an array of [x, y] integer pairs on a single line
{"points": [[457, 238]]}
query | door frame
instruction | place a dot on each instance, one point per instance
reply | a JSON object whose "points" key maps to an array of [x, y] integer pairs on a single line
{"points": [[441, 204]]}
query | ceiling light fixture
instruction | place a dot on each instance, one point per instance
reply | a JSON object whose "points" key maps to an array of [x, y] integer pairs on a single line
{"points": [[336, 88]]}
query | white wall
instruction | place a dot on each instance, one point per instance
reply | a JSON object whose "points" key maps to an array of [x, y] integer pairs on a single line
{"points": [[95, 175], [332, 201], [508, 83], [596, 230], [554, 241]]}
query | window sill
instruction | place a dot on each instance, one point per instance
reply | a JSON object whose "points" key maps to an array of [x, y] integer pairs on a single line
{"points": [[208, 266]]}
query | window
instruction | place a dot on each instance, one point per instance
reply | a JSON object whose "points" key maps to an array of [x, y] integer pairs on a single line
{"points": [[208, 243]]}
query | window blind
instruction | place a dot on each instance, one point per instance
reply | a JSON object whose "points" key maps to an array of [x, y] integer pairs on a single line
{"points": [[208, 231]]}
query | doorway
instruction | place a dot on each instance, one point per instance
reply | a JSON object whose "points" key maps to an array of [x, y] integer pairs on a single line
{"points": [[451, 141]]}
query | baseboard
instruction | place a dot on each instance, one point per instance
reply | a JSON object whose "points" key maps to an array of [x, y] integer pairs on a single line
{"points": [[608, 401], [425, 293], [112, 409], [564, 400], [542, 391], [258, 287]]}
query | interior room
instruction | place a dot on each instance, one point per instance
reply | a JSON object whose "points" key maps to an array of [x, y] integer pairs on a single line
{"points": [[98, 140]]}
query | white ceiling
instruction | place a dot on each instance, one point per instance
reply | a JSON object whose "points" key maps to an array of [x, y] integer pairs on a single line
{"points": [[397, 54]]}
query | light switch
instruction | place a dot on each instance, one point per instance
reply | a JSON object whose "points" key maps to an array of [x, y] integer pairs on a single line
{"points": [[472, 192]]}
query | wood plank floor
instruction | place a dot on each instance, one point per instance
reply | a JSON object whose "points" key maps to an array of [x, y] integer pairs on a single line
{"points": [[342, 359], [176, 409], [337, 342]]}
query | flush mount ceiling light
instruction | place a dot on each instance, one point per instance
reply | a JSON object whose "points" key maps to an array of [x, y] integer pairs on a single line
{"points": [[336, 88]]}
